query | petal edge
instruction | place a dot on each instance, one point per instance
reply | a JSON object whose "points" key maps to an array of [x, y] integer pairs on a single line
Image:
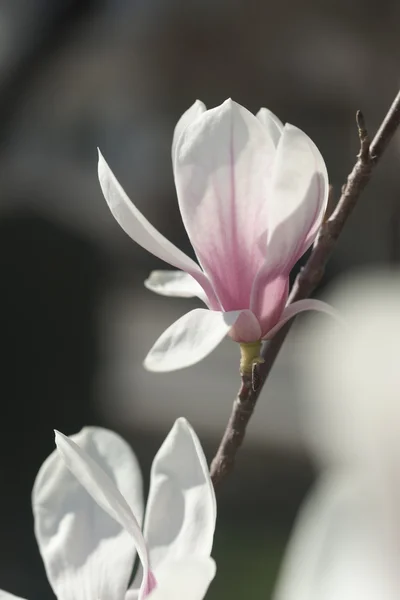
{"points": [[190, 339]]}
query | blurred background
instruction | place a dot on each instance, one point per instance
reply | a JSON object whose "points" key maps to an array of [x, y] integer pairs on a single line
{"points": [[76, 320]]}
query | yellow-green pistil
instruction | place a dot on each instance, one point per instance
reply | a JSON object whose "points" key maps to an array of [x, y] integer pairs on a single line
{"points": [[249, 356]]}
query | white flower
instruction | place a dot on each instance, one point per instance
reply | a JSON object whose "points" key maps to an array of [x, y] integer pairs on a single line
{"points": [[252, 193], [88, 507], [346, 544]]}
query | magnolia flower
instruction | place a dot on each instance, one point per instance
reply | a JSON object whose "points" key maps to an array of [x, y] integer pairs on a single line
{"points": [[87, 505], [346, 544], [252, 195]]}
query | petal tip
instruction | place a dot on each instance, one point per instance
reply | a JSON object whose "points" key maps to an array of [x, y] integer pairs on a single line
{"points": [[199, 104], [59, 438], [100, 156], [152, 365], [182, 423], [146, 364], [102, 166], [232, 105]]}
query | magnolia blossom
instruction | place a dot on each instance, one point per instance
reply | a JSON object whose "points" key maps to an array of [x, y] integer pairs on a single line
{"points": [[346, 544], [88, 507], [252, 194]]}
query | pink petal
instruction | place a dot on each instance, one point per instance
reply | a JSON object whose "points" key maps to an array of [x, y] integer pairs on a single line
{"points": [[299, 195], [246, 329], [269, 298], [223, 162], [300, 306]]}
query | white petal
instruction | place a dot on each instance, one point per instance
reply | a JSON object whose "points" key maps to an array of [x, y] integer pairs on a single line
{"points": [[180, 487], [223, 165], [272, 123], [188, 116], [175, 283], [299, 195], [184, 580], [336, 550], [190, 339], [86, 553], [140, 230], [103, 490], [295, 308], [7, 596], [353, 418]]}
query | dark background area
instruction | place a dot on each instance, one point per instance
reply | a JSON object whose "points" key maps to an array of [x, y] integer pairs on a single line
{"points": [[75, 319]]}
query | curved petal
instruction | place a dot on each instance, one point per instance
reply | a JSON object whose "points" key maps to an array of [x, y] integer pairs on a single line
{"points": [[175, 283], [272, 123], [300, 306], [85, 552], [246, 329], [268, 298], [222, 167], [142, 232], [187, 579], [180, 487], [310, 541], [299, 195], [101, 487], [190, 339], [188, 116], [353, 417], [7, 596], [336, 550]]}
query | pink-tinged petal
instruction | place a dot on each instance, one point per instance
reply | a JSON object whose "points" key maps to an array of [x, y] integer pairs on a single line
{"points": [[142, 232], [190, 339], [176, 284], [269, 297], [223, 163], [247, 328], [180, 487], [86, 553], [186, 579], [190, 115], [272, 123], [298, 198], [99, 485], [300, 306]]}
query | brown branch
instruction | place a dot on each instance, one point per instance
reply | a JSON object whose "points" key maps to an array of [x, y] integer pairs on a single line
{"points": [[306, 282]]}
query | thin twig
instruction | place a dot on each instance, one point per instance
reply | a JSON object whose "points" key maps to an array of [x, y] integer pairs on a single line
{"points": [[306, 282]]}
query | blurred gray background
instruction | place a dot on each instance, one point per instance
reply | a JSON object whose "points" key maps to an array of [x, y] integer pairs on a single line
{"points": [[76, 321]]}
